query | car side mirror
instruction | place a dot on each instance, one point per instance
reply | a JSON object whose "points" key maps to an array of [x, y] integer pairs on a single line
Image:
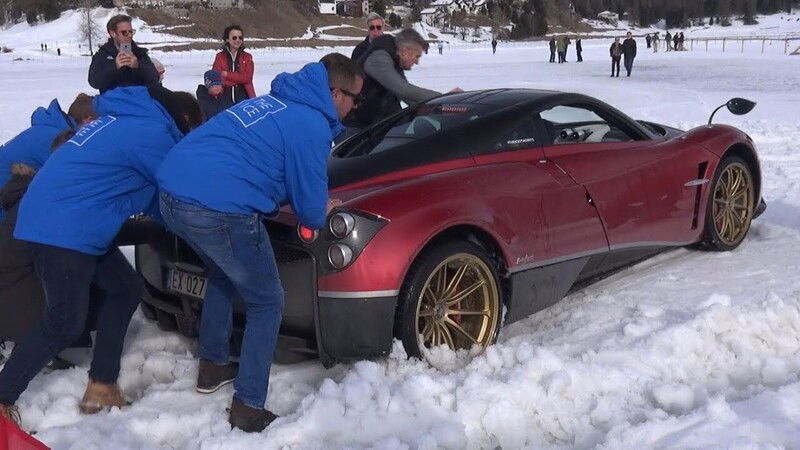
{"points": [[737, 106], [740, 106]]}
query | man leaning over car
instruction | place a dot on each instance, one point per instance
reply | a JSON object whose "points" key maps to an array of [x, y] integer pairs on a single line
{"points": [[260, 153]]}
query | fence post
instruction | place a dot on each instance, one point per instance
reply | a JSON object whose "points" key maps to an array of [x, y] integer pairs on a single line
{"points": [[691, 45], [763, 41], [723, 45], [742, 45], [786, 46], [706, 45]]}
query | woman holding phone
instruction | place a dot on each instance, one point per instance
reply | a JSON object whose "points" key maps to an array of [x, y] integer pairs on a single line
{"points": [[235, 65]]}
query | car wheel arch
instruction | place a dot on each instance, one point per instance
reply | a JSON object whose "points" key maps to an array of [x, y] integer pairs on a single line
{"points": [[748, 154]]}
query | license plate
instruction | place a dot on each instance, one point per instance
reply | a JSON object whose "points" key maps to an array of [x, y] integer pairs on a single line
{"points": [[187, 283]]}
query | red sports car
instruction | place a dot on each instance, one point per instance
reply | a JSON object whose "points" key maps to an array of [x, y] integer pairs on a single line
{"points": [[477, 209]]}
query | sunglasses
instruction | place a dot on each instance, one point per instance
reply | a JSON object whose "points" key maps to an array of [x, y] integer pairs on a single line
{"points": [[355, 97], [127, 33], [375, 27], [237, 38]]}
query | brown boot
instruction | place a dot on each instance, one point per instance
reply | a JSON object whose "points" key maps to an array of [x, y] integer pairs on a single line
{"points": [[211, 377], [11, 413], [100, 396], [247, 419]]}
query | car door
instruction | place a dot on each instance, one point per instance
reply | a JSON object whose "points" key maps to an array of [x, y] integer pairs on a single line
{"points": [[636, 184], [551, 218]]}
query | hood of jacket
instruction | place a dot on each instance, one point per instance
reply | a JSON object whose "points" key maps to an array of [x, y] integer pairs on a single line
{"points": [[15, 188], [135, 102], [53, 116], [309, 86]]}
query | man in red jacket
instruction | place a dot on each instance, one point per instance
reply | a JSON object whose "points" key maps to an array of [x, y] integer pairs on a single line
{"points": [[235, 65]]}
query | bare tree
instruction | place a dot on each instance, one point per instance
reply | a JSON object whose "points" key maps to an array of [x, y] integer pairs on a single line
{"points": [[88, 27]]}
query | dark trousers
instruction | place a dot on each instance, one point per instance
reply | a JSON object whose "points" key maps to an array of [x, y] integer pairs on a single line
{"points": [[628, 65], [580, 58], [614, 65], [238, 258], [552, 56], [66, 277]]}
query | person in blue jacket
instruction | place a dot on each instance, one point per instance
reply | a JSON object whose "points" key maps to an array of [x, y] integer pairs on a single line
{"points": [[32, 146], [104, 174], [260, 154]]}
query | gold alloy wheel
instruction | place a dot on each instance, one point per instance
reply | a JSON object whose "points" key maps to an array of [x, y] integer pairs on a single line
{"points": [[459, 305], [733, 203]]}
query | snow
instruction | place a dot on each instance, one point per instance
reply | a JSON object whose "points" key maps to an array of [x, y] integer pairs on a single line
{"points": [[686, 350]]}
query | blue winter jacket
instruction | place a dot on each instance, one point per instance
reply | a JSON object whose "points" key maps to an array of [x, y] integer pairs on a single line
{"points": [[261, 152], [32, 146], [100, 177]]}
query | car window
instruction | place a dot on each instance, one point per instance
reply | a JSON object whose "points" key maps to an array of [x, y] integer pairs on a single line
{"points": [[575, 124], [413, 125]]}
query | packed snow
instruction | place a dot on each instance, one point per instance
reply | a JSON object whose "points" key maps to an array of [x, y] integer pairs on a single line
{"points": [[686, 350]]}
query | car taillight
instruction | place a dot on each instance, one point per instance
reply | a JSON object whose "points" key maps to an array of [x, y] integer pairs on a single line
{"points": [[306, 234], [339, 255], [341, 224]]}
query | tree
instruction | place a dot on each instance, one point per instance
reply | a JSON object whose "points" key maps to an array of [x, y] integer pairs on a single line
{"points": [[395, 21], [88, 28], [379, 7], [539, 18]]}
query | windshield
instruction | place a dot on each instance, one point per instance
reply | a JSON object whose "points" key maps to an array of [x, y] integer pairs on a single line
{"points": [[413, 125]]}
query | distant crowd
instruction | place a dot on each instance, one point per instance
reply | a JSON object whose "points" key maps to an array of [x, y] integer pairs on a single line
{"points": [[207, 167], [626, 50]]}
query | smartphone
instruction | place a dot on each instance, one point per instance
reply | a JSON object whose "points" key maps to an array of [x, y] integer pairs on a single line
{"points": [[125, 48]]}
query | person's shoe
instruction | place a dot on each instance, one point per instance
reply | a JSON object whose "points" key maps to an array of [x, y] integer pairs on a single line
{"points": [[101, 396], [211, 377], [247, 419], [11, 413]]}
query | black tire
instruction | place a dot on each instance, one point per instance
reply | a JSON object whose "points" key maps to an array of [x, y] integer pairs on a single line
{"points": [[407, 325], [716, 235]]}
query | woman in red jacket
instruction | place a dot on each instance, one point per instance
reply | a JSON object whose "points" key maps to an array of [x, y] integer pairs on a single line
{"points": [[235, 65]]}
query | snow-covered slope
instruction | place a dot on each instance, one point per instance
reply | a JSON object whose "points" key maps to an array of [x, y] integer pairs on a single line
{"points": [[686, 350]]}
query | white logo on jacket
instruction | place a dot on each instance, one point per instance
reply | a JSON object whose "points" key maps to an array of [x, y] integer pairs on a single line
{"points": [[251, 111], [90, 129]]}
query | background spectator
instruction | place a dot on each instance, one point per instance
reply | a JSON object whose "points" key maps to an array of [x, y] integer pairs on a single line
{"points": [[629, 52], [235, 65], [120, 62], [616, 54], [209, 95], [375, 24]]}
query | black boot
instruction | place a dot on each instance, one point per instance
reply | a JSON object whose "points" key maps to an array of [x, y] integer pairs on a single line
{"points": [[247, 419], [211, 377]]}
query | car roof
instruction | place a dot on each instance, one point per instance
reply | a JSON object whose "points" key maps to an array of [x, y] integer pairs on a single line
{"points": [[500, 97]]}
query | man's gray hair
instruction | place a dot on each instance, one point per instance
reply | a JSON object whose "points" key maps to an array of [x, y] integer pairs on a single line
{"points": [[409, 37], [374, 16]]}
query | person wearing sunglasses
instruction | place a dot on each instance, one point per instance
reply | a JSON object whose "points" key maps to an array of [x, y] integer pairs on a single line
{"points": [[235, 65], [120, 62], [375, 24], [261, 154]]}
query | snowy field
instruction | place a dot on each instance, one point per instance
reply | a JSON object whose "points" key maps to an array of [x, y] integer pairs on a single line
{"points": [[686, 350]]}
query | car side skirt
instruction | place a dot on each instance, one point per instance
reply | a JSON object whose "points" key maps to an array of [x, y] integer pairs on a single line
{"points": [[537, 287]]}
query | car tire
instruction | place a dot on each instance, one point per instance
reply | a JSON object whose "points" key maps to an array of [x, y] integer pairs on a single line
{"points": [[426, 300], [730, 206]]}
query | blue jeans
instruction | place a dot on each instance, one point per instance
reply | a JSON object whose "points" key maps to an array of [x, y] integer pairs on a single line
{"points": [[66, 277], [238, 258]]}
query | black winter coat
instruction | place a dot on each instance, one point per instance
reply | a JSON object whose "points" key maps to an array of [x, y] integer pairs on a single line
{"points": [[629, 48], [378, 102], [104, 75], [360, 49], [21, 293], [211, 106]]}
